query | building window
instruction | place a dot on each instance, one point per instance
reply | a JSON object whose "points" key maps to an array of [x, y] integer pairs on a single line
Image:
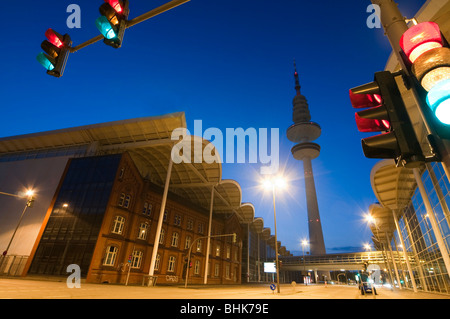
{"points": [[217, 250], [122, 171], [162, 236], [199, 245], [227, 272], [143, 231], [119, 222], [187, 243], [110, 256], [200, 228], [166, 213], [157, 262], [177, 220], [190, 224], [175, 237], [136, 259], [228, 252], [197, 267], [171, 264], [145, 209], [121, 199], [216, 270], [127, 201]]}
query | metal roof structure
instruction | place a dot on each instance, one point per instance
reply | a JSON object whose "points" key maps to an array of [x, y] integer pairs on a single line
{"points": [[149, 142]]}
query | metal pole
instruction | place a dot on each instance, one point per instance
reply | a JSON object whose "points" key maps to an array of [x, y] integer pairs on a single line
{"points": [[434, 224], [160, 220], [276, 240], [130, 23], [208, 243], [408, 265], [395, 267]]}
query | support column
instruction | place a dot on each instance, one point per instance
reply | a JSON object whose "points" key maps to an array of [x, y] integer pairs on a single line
{"points": [[395, 267], [160, 220], [433, 221], [411, 274], [208, 243], [416, 257]]}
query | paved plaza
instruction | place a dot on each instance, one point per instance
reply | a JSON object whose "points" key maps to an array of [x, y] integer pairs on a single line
{"points": [[24, 288]]}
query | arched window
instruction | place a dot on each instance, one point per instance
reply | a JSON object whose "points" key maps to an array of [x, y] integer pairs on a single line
{"points": [[118, 225], [171, 264], [137, 259], [110, 255], [143, 231], [175, 237]]}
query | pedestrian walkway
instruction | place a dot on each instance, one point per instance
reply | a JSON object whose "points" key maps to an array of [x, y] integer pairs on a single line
{"points": [[13, 288]]}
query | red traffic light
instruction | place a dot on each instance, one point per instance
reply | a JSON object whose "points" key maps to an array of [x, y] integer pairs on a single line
{"points": [[116, 5], [371, 125], [421, 38], [54, 38], [360, 101]]}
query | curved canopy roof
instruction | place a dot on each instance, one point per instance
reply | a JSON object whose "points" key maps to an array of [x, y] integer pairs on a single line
{"points": [[393, 186], [149, 142]]}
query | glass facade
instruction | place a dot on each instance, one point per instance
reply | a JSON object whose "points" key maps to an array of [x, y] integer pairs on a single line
{"points": [[425, 257], [72, 229]]}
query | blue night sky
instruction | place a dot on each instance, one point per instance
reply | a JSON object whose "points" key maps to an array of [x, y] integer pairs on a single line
{"points": [[228, 63]]}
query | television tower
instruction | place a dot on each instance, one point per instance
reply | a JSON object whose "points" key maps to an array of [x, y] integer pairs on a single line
{"points": [[303, 132]]}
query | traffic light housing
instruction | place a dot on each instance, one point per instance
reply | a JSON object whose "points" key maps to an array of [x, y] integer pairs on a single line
{"points": [[56, 49], [113, 21], [426, 54], [385, 112]]}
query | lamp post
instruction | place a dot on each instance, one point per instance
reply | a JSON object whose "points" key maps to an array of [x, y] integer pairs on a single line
{"points": [[30, 199], [278, 182]]}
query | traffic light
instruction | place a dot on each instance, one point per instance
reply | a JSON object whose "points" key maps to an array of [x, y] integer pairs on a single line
{"points": [[113, 20], [385, 112], [426, 52], [56, 49]]}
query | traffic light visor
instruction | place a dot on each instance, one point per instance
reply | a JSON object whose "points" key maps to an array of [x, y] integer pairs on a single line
{"points": [[371, 125], [420, 38], [364, 100], [439, 101]]}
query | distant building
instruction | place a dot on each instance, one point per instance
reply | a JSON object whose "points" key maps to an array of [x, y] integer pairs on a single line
{"points": [[99, 198]]}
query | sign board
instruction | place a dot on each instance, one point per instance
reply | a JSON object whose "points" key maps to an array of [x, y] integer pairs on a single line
{"points": [[270, 268]]}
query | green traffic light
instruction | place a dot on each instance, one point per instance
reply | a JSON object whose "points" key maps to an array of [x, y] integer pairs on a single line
{"points": [[105, 27], [42, 58]]}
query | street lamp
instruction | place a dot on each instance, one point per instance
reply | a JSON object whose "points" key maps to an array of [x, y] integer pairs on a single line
{"points": [[272, 183], [29, 194]]}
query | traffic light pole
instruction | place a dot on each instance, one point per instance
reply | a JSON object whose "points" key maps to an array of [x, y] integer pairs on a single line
{"points": [[165, 7], [394, 25]]}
